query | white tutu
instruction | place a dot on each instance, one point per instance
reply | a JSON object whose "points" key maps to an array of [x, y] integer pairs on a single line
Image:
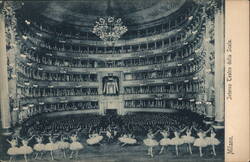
{"points": [[24, 150], [62, 145], [94, 140], [212, 141], [127, 140], [150, 142], [121, 139], [188, 139], [51, 147], [12, 151], [177, 141], [75, 146], [165, 142], [200, 142], [39, 147]]}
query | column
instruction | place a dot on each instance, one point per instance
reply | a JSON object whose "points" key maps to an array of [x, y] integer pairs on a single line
{"points": [[209, 78], [209, 106], [219, 70], [4, 92]]}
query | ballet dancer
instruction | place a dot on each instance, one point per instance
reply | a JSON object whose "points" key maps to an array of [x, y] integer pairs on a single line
{"points": [[75, 146], [94, 138], [39, 147], [165, 141], [188, 139], [63, 145], [51, 146], [201, 141], [150, 142], [177, 141], [25, 149], [212, 140], [13, 150], [127, 140]]}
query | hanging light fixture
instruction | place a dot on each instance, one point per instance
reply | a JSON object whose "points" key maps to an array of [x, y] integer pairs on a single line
{"points": [[109, 29]]}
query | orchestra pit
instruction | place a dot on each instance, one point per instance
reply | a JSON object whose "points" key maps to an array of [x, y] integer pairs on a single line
{"points": [[112, 80]]}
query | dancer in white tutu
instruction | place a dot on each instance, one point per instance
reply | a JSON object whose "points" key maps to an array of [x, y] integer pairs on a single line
{"points": [[63, 145], [201, 141], [212, 141], [94, 138], [177, 140], [13, 150], [188, 139], [51, 146], [165, 141], [127, 139], [39, 147], [25, 149], [75, 146], [121, 139], [150, 142]]}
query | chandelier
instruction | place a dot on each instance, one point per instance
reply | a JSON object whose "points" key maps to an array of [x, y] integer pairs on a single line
{"points": [[109, 29]]}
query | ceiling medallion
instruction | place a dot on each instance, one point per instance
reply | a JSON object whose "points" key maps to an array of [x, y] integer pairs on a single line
{"points": [[109, 29]]}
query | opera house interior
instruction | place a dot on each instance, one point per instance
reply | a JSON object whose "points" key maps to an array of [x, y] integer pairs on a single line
{"points": [[112, 79]]}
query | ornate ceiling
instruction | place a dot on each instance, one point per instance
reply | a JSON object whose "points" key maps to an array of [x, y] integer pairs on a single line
{"points": [[86, 12]]}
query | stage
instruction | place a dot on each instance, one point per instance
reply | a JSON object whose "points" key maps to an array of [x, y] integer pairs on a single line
{"points": [[138, 153]]}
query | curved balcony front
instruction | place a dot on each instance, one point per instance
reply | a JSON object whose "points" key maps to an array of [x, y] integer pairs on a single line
{"points": [[62, 99], [116, 69], [101, 62]]}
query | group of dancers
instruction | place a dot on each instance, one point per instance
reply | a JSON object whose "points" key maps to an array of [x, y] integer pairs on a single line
{"points": [[63, 142], [201, 141], [39, 148]]}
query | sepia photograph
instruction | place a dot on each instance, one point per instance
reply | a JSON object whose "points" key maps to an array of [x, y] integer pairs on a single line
{"points": [[113, 80]]}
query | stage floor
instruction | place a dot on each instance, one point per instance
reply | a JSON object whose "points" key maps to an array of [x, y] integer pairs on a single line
{"points": [[115, 153]]}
